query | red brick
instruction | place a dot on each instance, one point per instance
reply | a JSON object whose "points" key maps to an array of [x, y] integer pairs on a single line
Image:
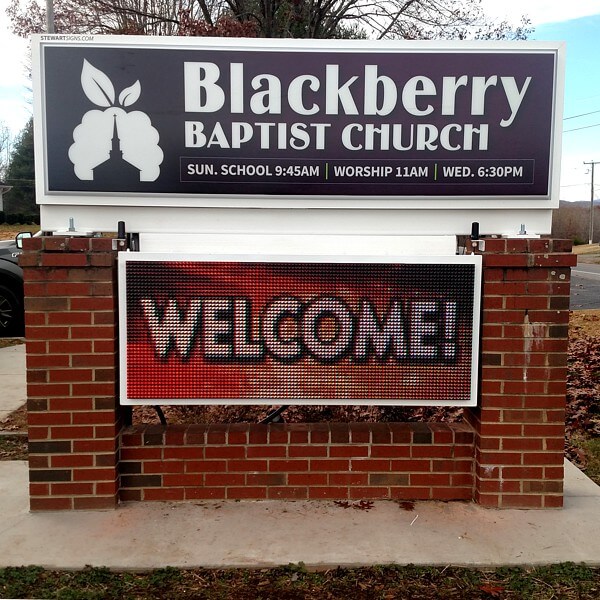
{"points": [[307, 451], [330, 464], [298, 437], [101, 245], [391, 451], [103, 318], [522, 472], [237, 437], [150, 453], [225, 452], [288, 465], [332, 493], [105, 474], [247, 465], [429, 479], [36, 504], [48, 418], [500, 458], [489, 443], [266, 479], [556, 472], [495, 245], [94, 445], [543, 458], [71, 489], [410, 466], [266, 451], [452, 493], [431, 451], [258, 434], [337, 479], [348, 451], [521, 501], [181, 453], [307, 479], [488, 500], [71, 433], [94, 332], [503, 260], [461, 480], [153, 467], [39, 489], [369, 464], [224, 479], [488, 486], [287, 493], [369, 493], [205, 493], [410, 493], [163, 494], [64, 260], [181, 480], [69, 347], [522, 444], [72, 460], [246, 493], [551, 501], [38, 433], [503, 289], [93, 304]]}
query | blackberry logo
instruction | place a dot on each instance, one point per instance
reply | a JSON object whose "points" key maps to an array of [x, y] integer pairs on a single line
{"points": [[114, 143]]}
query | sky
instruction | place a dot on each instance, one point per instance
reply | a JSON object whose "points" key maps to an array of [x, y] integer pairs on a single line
{"points": [[576, 22]]}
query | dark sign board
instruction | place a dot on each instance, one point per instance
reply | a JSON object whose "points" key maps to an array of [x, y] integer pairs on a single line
{"points": [[174, 117], [303, 331]]}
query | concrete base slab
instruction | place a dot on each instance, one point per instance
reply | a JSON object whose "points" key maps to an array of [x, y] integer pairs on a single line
{"points": [[318, 533], [12, 379]]}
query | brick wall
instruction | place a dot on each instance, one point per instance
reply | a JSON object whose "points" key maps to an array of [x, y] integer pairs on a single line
{"points": [[508, 453], [71, 333], [413, 461], [520, 418]]}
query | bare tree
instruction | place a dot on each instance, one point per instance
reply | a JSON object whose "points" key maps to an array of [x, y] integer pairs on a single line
{"points": [[5, 149], [384, 19]]}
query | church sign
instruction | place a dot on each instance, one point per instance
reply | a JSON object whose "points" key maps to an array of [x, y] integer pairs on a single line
{"points": [[302, 330], [199, 121]]}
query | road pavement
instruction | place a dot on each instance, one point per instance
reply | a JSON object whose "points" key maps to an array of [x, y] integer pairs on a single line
{"points": [[585, 285]]}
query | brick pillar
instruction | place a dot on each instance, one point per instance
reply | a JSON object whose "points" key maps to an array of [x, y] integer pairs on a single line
{"points": [[71, 333], [520, 421]]}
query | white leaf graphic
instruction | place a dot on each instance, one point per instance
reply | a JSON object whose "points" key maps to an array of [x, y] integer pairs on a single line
{"points": [[130, 94], [97, 86]]}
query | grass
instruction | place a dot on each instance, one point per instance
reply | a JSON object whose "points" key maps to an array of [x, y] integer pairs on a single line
{"points": [[591, 449], [8, 232], [566, 580]]}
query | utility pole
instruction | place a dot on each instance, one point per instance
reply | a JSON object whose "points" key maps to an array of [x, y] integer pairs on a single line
{"points": [[50, 16], [591, 234]]}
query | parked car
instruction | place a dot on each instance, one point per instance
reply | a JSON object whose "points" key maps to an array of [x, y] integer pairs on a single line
{"points": [[11, 288]]}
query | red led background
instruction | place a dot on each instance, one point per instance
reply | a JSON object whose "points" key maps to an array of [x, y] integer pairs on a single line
{"points": [[187, 343]]}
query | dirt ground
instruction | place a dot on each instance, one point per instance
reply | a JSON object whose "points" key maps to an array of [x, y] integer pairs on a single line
{"points": [[584, 322]]}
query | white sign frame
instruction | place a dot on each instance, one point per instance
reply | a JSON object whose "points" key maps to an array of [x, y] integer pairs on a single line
{"points": [[127, 257], [196, 213]]}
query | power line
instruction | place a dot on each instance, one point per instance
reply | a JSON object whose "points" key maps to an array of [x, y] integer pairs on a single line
{"points": [[582, 115], [579, 128]]}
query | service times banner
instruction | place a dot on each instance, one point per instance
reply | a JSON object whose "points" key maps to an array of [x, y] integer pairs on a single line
{"points": [[188, 117], [200, 330]]}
